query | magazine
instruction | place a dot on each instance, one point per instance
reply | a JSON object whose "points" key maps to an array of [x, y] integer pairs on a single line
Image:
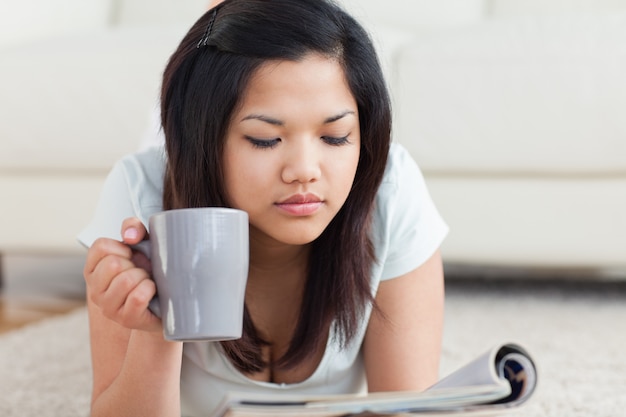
{"points": [[501, 379]]}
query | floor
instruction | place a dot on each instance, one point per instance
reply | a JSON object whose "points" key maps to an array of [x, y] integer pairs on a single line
{"points": [[34, 288], [574, 328]]}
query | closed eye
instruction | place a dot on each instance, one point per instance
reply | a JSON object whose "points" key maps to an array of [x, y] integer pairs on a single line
{"points": [[263, 143], [336, 141]]}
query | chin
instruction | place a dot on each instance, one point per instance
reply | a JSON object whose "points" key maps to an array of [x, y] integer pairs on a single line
{"points": [[297, 235], [299, 232], [299, 239]]}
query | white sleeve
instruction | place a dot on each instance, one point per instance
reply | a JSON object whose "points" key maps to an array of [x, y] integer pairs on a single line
{"points": [[133, 188], [412, 227]]}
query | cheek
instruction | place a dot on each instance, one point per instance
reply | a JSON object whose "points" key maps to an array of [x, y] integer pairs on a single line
{"points": [[244, 178], [343, 174], [346, 172], [233, 177]]}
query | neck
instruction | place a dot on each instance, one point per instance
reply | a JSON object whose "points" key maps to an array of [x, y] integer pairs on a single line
{"points": [[272, 258], [276, 277]]}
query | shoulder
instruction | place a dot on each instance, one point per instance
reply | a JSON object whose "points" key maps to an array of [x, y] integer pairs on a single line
{"points": [[402, 179], [407, 227], [146, 166], [398, 158], [133, 188], [141, 175]]}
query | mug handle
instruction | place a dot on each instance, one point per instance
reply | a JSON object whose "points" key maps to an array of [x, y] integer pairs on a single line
{"points": [[145, 248]]}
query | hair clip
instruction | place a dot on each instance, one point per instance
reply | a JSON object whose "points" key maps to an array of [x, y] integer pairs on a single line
{"points": [[204, 41]]}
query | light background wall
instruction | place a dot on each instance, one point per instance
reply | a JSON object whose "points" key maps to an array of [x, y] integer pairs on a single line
{"points": [[30, 20]]}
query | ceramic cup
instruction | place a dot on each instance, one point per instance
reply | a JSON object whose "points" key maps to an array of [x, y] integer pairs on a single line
{"points": [[199, 262]]}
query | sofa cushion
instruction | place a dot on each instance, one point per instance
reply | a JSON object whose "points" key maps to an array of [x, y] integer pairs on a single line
{"points": [[517, 96], [80, 103]]}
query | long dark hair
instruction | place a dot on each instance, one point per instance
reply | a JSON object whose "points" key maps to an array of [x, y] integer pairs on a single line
{"points": [[202, 86]]}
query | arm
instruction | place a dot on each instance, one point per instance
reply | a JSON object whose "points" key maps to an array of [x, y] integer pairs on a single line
{"points": [[402, 349], [135, 371]]}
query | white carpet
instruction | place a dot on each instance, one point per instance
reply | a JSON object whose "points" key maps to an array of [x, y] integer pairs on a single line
{"points": [[576, 333], [45, 369]]}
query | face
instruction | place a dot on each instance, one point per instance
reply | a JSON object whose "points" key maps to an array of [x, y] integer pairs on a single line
{"points": [[292, 149]]}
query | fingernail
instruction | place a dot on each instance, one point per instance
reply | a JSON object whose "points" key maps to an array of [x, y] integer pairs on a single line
{"points": [[131, 233]]}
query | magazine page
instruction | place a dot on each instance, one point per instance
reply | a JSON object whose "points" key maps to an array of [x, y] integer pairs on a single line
{"points": [[502, 377], [387, 403], [508, 366]]}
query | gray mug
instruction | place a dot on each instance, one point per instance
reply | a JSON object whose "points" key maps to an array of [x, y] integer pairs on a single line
{"points": [[199, 262]]}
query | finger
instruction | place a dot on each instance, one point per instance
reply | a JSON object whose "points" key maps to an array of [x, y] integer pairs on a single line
{"points": [[102, 248], [107, 270], [113, 300], [133, 231], [136, 310], [142, 261], [132, 311]]}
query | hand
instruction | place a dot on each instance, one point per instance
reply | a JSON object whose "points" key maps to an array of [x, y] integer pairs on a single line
{"points": [[118, 279]]}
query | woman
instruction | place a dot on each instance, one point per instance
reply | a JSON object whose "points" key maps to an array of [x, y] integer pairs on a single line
{"points": [[278, 108]]}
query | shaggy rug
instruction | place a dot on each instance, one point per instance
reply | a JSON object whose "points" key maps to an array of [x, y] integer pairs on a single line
{"points": [[575, 332]]}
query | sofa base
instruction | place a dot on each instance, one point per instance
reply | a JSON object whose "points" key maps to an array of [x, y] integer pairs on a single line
{"points": [[43, 213], [542, 222]]}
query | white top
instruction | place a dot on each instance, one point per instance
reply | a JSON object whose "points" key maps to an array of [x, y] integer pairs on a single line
{"points": [[407, 230]]}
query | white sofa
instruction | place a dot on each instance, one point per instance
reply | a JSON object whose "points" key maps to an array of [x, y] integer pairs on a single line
{"points": [[513, 109]]}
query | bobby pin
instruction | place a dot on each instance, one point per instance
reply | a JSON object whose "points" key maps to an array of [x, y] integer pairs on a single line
{"points": [[204, 41]]}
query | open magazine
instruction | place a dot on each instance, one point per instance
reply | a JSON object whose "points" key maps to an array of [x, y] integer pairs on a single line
{"points": [[503, 378]]}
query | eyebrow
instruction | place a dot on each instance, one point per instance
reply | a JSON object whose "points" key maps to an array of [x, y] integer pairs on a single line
{"points": [[276, 122], [338, 116]]}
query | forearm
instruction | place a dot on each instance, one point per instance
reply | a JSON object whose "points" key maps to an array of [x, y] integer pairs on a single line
{"points": [[148, 383], [402, 348]]}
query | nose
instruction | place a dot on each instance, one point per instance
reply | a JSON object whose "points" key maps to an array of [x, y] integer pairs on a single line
{"points": [[301, 162]]}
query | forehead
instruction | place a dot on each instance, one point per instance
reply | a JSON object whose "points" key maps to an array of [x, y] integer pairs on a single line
{"points": [[316, 80]]}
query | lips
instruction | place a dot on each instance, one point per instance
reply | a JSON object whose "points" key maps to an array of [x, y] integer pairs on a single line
{"points": [[301, 199], [300, 204]]}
